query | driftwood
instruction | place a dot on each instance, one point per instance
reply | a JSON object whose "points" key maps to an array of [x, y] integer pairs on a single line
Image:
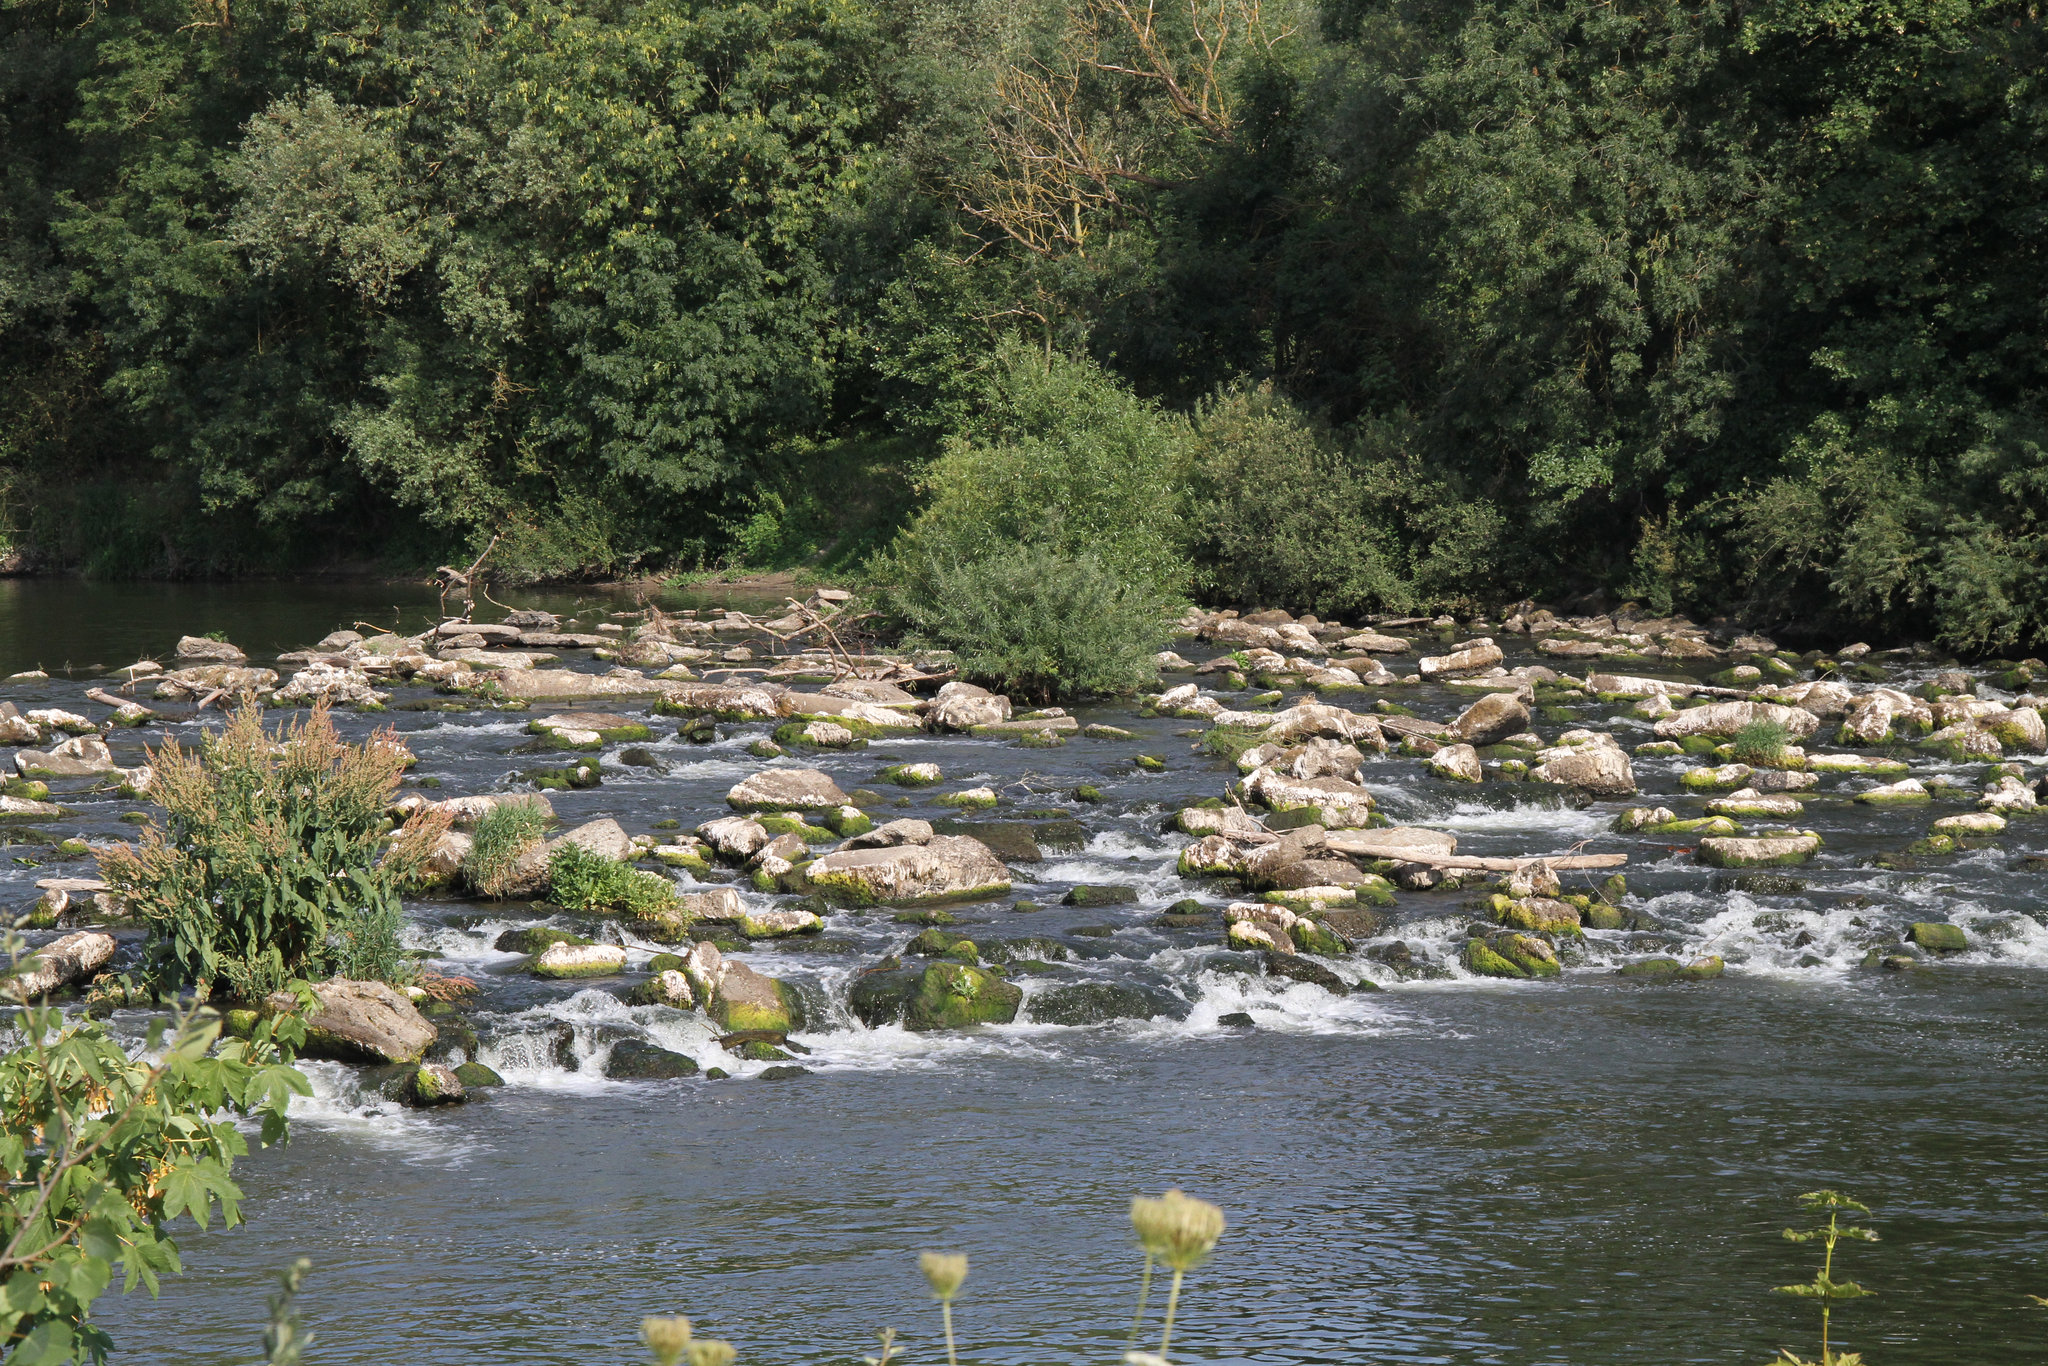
{"points": [[103, 696], [1364, 846]]}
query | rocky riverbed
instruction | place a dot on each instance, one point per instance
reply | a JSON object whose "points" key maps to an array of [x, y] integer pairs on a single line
{"points": [[870, 858]]}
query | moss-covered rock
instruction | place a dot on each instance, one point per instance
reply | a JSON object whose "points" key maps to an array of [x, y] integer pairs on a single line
{"points": [[535, 938], [1480, 958], [1099, 896], [475, 1076], [638, 1060], [1939, 937], [956, 996], [1091, 1003], [1759, 851]]}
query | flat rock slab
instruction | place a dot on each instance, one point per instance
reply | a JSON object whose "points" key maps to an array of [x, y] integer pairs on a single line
{"points": [[560, 685], [946, 868], [786, 789]]}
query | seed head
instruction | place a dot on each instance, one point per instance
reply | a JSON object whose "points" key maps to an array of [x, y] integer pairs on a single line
{"points": [[668, 1339], [711, 1352], [944, 1272], [1177, 1230]]}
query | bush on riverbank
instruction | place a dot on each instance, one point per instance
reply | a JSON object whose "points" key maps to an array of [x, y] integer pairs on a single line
{"points": [[1035, 622], [266, 868]]}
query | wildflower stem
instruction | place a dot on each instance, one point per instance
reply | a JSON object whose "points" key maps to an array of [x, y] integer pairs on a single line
{"points": [[1144, 1293], [946, 1311], [1172, 1303]]}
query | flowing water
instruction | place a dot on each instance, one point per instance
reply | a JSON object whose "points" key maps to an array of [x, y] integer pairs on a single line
{"points": [[1452, 1169]]}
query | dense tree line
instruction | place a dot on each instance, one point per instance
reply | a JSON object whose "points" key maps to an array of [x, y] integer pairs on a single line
{"points": [[1722, 306]]}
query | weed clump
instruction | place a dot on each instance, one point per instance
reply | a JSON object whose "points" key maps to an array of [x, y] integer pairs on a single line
{"points": [[1759, 743], [267, 868], [579, 880], [505, 832]]}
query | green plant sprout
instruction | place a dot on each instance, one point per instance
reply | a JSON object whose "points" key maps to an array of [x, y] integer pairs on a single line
{"points": [[1824, 1287]]}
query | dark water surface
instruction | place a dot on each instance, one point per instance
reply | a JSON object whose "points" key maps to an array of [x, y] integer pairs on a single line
{"points": [[1581, 1172]]}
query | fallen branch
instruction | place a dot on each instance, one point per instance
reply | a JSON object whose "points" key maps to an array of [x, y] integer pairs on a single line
{"points": [[103, 696]]}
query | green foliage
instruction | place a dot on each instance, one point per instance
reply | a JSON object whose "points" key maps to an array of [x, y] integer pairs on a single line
{"points": [[268, 868], [505, 832], [1036, 622], [1277, 515], [1824, 1288], [1062, 457], [103, 1150], [579, 880], [1759, 742]]}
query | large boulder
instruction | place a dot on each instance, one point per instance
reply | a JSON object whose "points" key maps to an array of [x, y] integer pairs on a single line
{"points": [[942, 995], [205, 648], [725, 701], [1474, 656], [562, 961], [1722, 720], [360, 1022], [963, 706], [786, 789], [82, 756], [1337, 804], [944, 868], [1492, 719], [1731, 851], [638, 1060], [1089, 1003], [1459, 763], [565, 685], [62, 962], [605, 838], [746, 999], [1602, 769], [1310, 720]]}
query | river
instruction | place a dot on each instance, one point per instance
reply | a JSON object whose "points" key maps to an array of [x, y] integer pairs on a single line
{"points": [[1580, 1172]]}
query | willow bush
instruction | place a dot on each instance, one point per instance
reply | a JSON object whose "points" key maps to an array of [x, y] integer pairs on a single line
{"points": [[266, 867]]}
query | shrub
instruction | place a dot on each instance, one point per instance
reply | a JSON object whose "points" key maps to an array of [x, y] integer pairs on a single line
{"points": [[1759, 742], [101, 1150], [505, 832], [1276, 515], [268, 868], [1037, 623], [1064, 457], [579, 880]]}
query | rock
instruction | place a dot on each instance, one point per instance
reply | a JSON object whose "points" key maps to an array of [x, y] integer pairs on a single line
{"points": [[1313, 720], [1371, 642], [1228, 821], [1603, 770], [1092, 1003], [1099, 896], [722, 701], [532, 939], [29, 808], [947, 867], [638, 1060], [1872, 718], [962, 707], [63, 962], [606, 838], [1710, 779], [737, 838], [201, 647], [360, 1022], [1472, 657], [1939, 937], [1510, 955], [786, 789], [566, 685], [433, 1084], [1972, 823], [892, 835], [337, 687], [2009, 794], [666, 988], [1492, 719], [1722, 720], [746, 999], [475, 1076], [1542, 914], [1296, 968], [558, 961], [82, 756], [2019, 729], [1337, 804], [912, 775], [1758, 851], [1457, 762], [1748, 804], [777, 924], [202, 680], [1905, 792]]}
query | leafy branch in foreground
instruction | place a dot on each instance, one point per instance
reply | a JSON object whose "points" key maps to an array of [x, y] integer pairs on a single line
{"points": [[101, 1150], [1824, 1287]]}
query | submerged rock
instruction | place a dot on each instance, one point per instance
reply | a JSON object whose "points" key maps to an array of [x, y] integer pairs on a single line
{"points": [[1090, 1003], [638, 1060]]}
